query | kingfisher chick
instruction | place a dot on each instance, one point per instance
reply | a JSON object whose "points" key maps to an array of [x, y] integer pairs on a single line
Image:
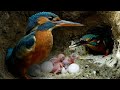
{"points": [[36, 45], [98, 40]]}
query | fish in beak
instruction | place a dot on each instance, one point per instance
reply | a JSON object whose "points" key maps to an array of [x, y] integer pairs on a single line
{"points": [[67, 23]]}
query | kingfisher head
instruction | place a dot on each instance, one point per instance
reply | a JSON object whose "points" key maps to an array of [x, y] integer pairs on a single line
{"points": [[47, 21], [88, 39]]}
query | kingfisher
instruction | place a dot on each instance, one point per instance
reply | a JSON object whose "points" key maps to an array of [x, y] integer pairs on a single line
{"points": [[98, 40], [36, 45]]}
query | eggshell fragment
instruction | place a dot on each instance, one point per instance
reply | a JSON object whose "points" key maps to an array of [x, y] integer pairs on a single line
{"points": [[63, 71]]}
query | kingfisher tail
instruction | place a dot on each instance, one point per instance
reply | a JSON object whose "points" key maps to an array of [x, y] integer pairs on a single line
{"points": [[9, 52]]}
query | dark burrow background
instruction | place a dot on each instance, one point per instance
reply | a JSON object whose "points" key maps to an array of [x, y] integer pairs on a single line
{"points": [[13, 26]]}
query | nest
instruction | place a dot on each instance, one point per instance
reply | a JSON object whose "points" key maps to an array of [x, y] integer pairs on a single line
{"points": [[10, 33]]}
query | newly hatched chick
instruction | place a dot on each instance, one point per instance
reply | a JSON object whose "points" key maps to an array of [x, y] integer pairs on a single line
{"points": [[59, 58], [57, 63], [57, 67], [66, 62], [70, 59], [74, 57], [61, 62]]}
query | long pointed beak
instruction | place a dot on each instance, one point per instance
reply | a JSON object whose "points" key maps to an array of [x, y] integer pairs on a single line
{"points": [[67, 23], [80, 43], [76, 44]]}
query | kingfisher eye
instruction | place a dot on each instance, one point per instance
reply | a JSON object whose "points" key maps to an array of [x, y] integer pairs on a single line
{"points": [[81, 39], [50, 18]]}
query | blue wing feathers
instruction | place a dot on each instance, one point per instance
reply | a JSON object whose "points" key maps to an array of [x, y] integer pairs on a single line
{"points": [[26, 42], [29, 43]]}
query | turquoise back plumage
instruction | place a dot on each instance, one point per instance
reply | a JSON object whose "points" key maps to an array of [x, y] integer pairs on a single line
{"points": [[25, 43], [90, 36]]}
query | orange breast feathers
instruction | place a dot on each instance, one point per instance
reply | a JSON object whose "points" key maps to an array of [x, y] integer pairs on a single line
{"points": [[43, 46]]}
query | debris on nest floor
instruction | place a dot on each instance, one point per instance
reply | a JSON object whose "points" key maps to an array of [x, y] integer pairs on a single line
{"points": [[91, 67]]}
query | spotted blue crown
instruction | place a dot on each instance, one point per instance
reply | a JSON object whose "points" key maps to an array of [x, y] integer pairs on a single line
{"points": [[33, 19]]}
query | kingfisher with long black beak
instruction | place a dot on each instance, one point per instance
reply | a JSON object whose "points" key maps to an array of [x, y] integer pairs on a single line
{"points": [[98, 40], [36, 45]]}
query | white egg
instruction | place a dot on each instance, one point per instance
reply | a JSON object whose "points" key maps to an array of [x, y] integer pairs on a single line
{"points": [[73, 68], [34, 70], [46, 66], [63, 71]]}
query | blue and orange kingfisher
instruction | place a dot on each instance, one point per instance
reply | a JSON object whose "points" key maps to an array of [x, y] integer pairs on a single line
{"points": [[36, 45], [98, 40]]}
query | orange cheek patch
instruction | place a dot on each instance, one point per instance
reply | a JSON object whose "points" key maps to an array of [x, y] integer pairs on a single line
{"points": [[42, 20]]}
